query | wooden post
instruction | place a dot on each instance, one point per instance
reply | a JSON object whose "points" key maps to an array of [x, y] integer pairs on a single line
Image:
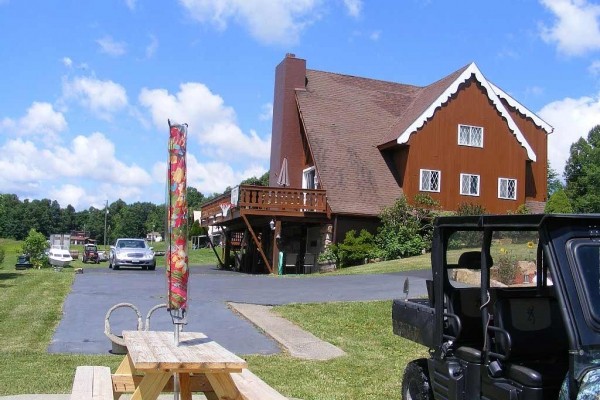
{"points": [[258, 246], [276, 234]]}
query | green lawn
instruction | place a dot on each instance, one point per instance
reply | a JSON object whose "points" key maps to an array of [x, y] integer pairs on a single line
{"points": [[31, 306]]}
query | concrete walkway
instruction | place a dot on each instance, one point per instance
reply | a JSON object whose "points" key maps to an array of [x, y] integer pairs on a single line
{"points": [[296, 341]]}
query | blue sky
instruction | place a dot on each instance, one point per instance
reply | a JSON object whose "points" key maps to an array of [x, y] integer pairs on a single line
{"points": [[88, 86]]}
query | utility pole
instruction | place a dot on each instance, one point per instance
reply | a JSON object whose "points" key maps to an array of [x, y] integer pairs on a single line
{"points": [[105, 219]]}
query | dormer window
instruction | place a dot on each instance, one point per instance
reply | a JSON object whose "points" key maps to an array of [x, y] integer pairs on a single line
{"points": [[469, 135]]}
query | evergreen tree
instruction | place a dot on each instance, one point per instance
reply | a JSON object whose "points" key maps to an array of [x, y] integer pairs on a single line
{"points": [[558, 203]]}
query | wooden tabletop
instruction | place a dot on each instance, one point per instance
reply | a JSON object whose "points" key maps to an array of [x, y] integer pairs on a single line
{"points": [[152, 351]]}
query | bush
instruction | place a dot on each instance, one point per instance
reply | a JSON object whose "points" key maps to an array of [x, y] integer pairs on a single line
{"points": [[354, 249], [406, 229], [470, 209], [2, 252], [35, 245], [507, 268]]}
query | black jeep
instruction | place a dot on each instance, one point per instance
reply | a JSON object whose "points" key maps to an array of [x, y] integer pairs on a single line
{"points": [[513, 310]]}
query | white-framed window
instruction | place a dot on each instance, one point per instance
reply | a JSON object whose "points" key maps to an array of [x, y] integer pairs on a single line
{"points": [[507, 188], [309, 178], [469, 135], [430, 180], [469, 185]]}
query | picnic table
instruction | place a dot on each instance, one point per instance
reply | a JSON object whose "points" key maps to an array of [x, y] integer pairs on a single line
{"points": [[153, 359]]}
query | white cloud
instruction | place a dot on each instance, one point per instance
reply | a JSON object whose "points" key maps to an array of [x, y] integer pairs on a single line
{"points": [[210, 121], [594, 68], [23, 164], [375, 35], [67, 62], [152, 47], [270, 22], [102, 97], [210, 177], [575, 30], [353, 7], [267, 112], [571, 119], [109, 46], [130, 4], [40, 119]]}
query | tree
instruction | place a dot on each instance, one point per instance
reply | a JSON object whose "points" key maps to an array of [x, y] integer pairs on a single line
{"points": [[554, 184], [582, 173], [262, 181], [35, 245], [194, 198], [558, 203]]}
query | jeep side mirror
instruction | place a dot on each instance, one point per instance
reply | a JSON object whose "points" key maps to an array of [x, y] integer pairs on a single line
{"points": [[406, 288]]}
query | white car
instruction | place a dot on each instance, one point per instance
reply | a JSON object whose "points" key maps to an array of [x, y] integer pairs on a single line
{"points": [[131, 253]]}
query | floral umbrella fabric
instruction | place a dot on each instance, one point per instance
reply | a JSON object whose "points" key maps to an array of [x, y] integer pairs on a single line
{"points": [[177, 225]]}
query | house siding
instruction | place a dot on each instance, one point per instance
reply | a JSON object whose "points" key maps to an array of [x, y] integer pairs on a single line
{"points": [[435, 146], [536, 185]]}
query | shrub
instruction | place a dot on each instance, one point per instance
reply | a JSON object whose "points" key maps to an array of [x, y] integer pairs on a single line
{"points": [[406, 229], [470, 209], [35, 245], [2, 252], [354, 249], [507, 267]]}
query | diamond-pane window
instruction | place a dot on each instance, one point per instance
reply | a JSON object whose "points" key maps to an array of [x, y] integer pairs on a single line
{"points": [[430, 180], [469, 185], [507, 188], [470, 135]]}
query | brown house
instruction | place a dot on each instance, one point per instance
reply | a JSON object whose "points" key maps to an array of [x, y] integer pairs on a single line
{"points": [[352, 146]]}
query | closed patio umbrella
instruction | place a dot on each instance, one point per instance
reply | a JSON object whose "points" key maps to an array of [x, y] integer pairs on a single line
{"points": [[284, 178], [177, 225]]}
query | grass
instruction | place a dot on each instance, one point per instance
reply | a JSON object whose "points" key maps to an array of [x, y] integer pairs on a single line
{"points": [[31, 306], [12, 249], [386, 267], [30, 309], [375, 357]]}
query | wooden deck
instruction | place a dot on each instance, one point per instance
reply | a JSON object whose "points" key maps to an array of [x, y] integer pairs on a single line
{"points": [[262, 200]]}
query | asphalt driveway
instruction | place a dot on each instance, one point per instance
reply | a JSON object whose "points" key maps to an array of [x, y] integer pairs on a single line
{"points": [[81, 329]]}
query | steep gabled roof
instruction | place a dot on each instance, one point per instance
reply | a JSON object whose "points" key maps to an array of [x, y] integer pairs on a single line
{"points": [[522, 109], [343, 117], [439, 93], [346, 119]]}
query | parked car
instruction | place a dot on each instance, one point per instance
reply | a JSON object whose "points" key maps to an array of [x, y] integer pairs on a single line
{"points": [[102, 256], [129, 252], [90, 254], [23, 262]]}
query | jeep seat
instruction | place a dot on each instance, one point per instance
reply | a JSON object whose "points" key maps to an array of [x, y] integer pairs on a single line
{"points": [[538, 348]]}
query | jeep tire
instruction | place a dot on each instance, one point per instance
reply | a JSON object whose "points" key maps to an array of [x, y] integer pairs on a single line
{"points": [[415, 381]]}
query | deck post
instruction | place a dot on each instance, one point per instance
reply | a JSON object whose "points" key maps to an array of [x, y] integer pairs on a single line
{"points": [[257, 243], [276, 236]]}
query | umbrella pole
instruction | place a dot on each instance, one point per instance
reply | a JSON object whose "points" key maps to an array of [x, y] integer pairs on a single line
{"points": [[179, 320]]}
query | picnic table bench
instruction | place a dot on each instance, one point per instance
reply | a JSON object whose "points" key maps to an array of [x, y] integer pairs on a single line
{"points": [[153, 359]]}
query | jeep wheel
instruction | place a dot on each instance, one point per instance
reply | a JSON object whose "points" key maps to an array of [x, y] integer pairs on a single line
{"points": [[415, 382]]}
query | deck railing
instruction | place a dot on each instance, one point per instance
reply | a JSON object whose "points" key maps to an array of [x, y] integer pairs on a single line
{"points": [[263, 199]]}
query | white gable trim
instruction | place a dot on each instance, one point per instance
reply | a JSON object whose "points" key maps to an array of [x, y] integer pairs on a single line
{"points": [[522, 109], [451, 90]]}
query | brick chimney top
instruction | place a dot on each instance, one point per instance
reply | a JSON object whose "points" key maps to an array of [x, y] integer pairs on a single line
{"points": [[290, 55]]}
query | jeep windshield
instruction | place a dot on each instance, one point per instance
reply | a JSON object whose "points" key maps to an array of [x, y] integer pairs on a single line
{"points": [[586, 269]]}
